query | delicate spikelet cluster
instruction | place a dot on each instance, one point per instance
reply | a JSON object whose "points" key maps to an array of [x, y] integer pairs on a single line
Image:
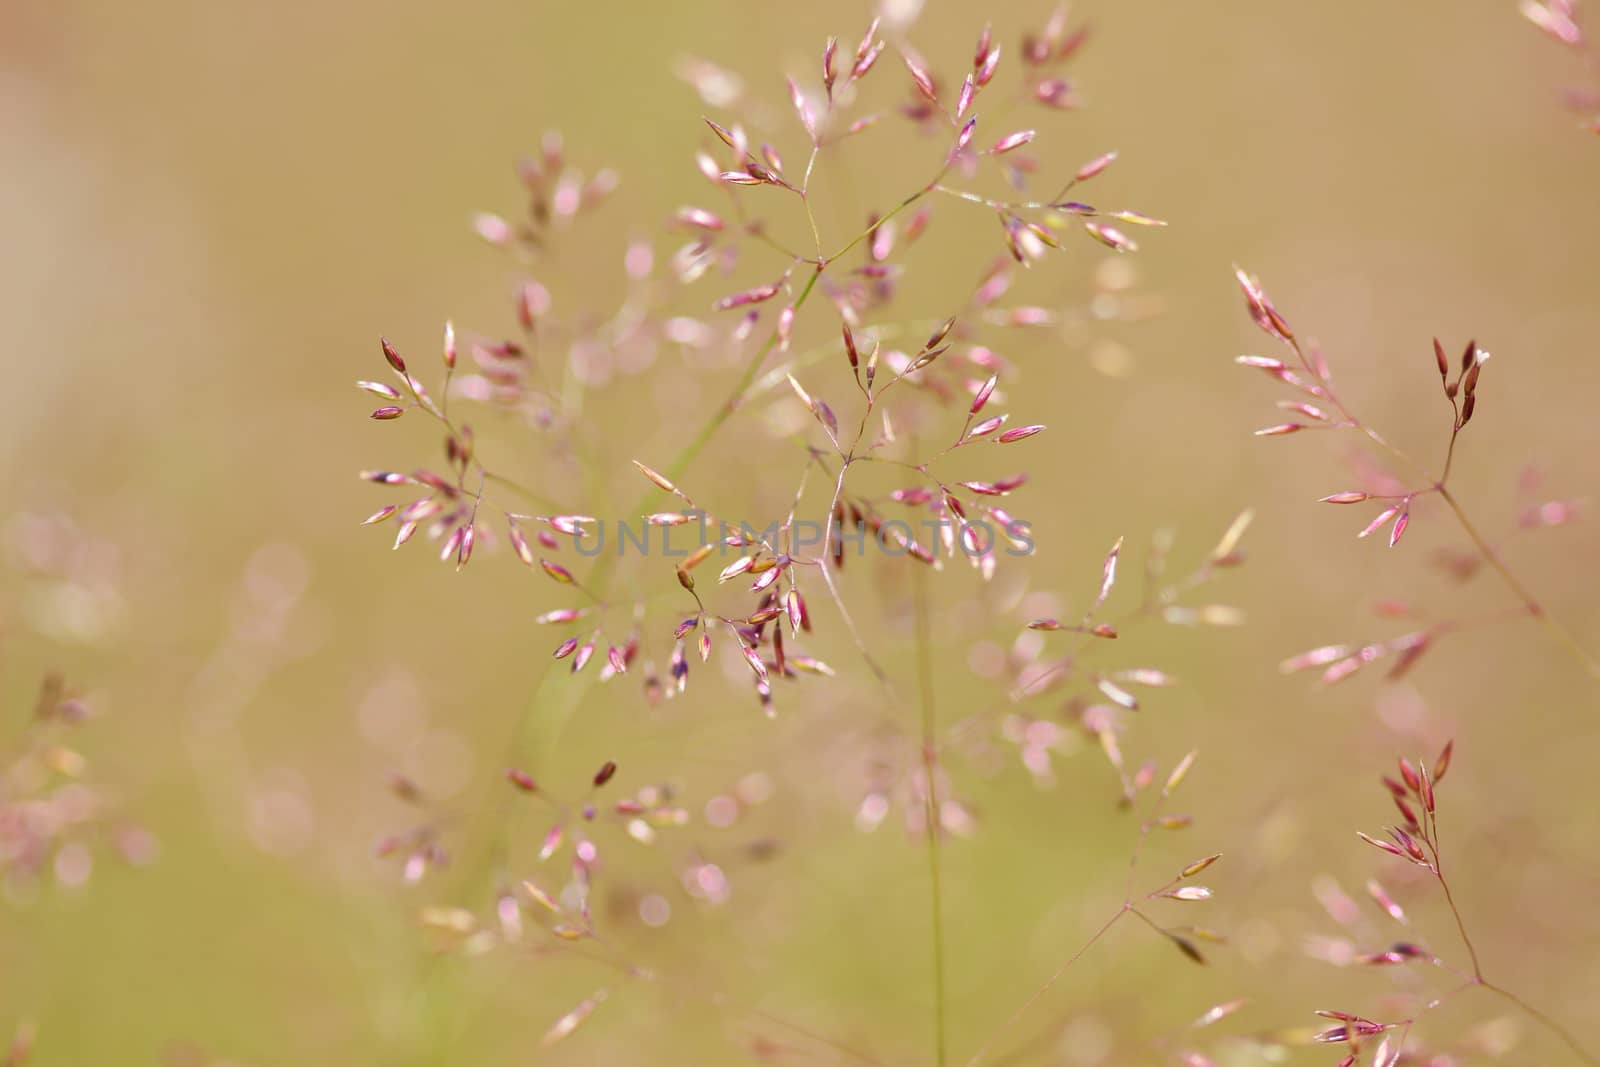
{"points": [[54, 818], [902, 427], [418, 847], [1098, 701], [949, 369], [1317, 406], [1415, 841]]}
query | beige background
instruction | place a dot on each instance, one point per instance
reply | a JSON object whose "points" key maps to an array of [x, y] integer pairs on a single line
{"points": [[211, 211]]}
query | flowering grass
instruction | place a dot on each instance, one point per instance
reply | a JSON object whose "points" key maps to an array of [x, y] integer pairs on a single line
{"points": [[784, 657], [895, 397]]}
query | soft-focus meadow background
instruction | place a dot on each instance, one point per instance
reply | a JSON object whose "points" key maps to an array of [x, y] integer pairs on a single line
{"points": [[210, 212]]}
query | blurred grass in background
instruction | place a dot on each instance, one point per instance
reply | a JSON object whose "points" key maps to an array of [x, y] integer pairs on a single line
{"points": [[212, 211]]}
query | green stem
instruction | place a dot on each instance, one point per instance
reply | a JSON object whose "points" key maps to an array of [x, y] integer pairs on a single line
{"points": [[931, 805], [725, 410], [983, 1050]]}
